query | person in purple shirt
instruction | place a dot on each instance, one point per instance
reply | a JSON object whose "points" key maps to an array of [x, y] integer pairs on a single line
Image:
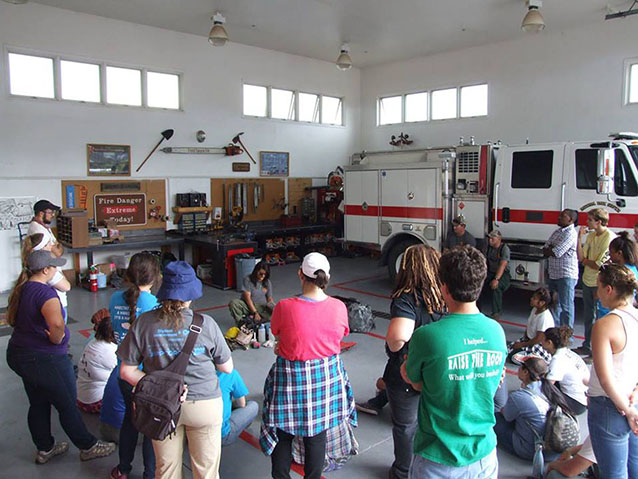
{"points": [[37, 352]]}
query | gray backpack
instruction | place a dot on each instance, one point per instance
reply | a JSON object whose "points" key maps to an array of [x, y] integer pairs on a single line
{"points": [[561, 430], [360, 318]]}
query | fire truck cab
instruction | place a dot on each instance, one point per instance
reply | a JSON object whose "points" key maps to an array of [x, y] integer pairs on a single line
{"points": [[395, 199]]}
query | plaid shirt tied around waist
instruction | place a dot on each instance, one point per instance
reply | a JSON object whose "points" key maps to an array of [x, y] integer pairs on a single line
{"points": [[304, 398], [564, 263]]}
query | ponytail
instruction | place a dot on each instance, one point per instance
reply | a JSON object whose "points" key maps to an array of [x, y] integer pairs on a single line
{"points": [[321, 281], [559, 336], [14, 297], [537, 369], [143, 270], [547, 297]]}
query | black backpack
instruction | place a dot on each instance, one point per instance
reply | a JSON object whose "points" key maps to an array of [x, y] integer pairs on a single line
{"points": [[156, 399]]}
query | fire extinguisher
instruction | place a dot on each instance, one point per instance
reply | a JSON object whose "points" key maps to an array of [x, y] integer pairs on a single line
{"points": [[93, 279]]}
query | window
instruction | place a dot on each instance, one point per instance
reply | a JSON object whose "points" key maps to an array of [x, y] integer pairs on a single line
{"points": [[532, 169], [162, 90], [255, 100], [283, 104], [624, 180], [390, 110], [474, 101], [80, 81], [416, 107], [123, 86], [632, 84], [309, 107], [31, 76], [586, 169], [444, 104], [331, 112]]}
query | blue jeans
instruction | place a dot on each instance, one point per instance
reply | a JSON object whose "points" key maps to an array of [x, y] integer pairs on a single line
{"points": [[615, 446], [589, 313], [564, 287], [240, 419], [486, 468], [128, 438], [49, 381]]}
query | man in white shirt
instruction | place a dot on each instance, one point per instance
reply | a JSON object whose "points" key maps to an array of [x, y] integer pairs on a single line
{"points": [[43, 213]]}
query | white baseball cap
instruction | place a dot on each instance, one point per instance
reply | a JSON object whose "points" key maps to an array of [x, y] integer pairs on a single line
{"points": [[314, 262]]}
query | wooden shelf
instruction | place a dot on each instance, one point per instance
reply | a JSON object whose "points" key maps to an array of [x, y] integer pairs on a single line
{"points": [[180, 210]]}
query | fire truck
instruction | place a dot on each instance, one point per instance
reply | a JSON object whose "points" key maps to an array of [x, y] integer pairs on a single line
{"points": [[399, 198]]}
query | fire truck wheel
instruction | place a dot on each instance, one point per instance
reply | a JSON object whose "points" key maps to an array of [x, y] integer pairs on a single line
{"points": [[396, 255]]}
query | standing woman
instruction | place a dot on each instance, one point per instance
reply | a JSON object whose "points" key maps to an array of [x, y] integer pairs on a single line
{"points": [[125, 306], [612, 419], [154, 340], [416, 301], [307, 390], [37, 352]]}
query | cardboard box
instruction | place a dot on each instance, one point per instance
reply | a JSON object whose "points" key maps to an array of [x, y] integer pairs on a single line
{"points": [[106, 269]]}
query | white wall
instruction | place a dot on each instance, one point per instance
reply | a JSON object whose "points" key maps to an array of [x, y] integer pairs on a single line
{"points": [[47, 139], [548, 87]]}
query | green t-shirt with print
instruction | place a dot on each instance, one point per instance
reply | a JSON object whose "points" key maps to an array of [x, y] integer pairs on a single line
{"points": [[459, 360]]}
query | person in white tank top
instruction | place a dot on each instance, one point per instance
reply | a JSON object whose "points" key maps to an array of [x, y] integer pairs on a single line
{"points": [[612, 417]]}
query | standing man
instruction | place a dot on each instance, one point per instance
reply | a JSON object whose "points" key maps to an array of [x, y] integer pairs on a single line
{"points": [[498, 271], [592, 254], [43, 213], [560, 249], [456, 363], [460, 236]]}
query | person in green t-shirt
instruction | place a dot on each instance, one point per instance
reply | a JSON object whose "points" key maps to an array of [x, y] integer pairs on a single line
{"points": [[457, 365]]}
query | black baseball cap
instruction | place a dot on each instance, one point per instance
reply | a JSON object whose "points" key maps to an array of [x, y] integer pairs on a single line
{"points": [[43, 205]]}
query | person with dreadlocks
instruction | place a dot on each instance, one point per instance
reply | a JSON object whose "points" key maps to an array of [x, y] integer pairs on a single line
{"points": [[416, 302]]}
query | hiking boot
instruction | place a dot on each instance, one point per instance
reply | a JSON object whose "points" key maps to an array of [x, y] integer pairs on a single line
{"points": [[58, 448], [367, 408], [99, 449], [116, 474]]}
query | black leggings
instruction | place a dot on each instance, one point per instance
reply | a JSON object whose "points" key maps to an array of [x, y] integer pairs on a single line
{"points": [[315, 451]]}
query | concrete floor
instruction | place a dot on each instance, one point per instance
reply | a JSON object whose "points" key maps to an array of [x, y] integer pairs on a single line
{"points": [[359, 277]]}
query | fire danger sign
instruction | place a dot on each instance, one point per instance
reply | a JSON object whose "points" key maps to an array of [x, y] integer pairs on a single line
{"points": [[123, 209]]}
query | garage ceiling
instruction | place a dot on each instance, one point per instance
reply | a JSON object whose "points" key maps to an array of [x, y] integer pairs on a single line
{"points": [[378, 31]]}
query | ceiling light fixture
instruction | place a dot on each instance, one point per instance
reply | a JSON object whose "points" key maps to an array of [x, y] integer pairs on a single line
{"points": [[533, 21], [344, 62], [613, 13], [218, 36], [17, 2]]}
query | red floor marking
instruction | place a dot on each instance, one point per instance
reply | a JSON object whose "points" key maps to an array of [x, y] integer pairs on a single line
{"points": [[519, 325], [254, 442], [212, 307], [378, 336], [363, 292], [360, 279], [85, 332]]}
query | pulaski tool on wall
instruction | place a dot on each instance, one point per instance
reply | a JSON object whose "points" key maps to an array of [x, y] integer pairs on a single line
{"points": [[166, 135], [238, 140]]}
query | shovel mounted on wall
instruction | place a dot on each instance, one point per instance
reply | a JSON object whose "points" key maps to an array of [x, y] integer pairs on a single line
{"points": [[238, 140], [166, 135]]}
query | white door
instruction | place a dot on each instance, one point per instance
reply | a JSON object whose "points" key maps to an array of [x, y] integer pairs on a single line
{"points": [[527, 191], [362, 206]]}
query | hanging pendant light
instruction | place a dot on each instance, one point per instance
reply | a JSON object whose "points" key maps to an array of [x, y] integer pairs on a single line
{"points": [[218, 35], [16, 2], [344, 62], [533, 21]]}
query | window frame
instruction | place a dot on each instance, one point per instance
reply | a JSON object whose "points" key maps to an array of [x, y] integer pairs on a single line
{"points": [[458, 102], [428, 109], [57, 79], [381, 98], [626, 90]]}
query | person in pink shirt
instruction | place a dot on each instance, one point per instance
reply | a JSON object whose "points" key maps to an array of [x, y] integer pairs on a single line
{"points": [[307, 390]]}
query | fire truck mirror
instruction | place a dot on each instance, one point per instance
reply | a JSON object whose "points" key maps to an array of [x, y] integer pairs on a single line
{"points": [[605, 170]]}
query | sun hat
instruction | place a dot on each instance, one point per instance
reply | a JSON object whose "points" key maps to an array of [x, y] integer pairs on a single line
{"points": [[38, 260], [313, 262], [179, 282]]}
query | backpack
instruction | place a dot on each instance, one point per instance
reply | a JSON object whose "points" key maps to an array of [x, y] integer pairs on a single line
{"points": [[360, 318], [156, 398], [561, 430]]}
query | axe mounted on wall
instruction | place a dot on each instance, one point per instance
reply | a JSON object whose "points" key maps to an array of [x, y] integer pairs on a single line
{"points": [[238, 140], [166, 135]]}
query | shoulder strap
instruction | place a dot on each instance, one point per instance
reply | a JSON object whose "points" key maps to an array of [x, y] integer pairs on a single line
{"points": [[179, 364]]}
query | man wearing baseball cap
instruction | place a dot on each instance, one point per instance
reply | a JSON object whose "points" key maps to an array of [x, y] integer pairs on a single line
{"points": [[43, 213], [460, 236]]}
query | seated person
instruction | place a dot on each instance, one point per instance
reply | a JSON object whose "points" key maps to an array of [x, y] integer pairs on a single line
{"points": [[460, 236], [238, 413], [256, 296], [573, 462], [540, 319], [96, 364], [376, 404], [522, 420]]}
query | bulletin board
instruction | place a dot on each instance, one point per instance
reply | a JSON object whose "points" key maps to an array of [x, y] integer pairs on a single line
{"points": [[271, 197], [130, 204]]}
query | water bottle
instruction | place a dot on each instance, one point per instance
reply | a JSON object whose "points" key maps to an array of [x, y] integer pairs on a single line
{"points": [[261, 333]]}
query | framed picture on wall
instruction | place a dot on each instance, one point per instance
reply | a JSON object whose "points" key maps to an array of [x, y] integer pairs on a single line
{"points": [[274, 163], [108, 160]]}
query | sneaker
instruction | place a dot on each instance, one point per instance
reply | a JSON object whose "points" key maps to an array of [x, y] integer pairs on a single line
{"points": [[367, 408], [582, 351], [99, 449], [116, 474], [58, 448]]}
